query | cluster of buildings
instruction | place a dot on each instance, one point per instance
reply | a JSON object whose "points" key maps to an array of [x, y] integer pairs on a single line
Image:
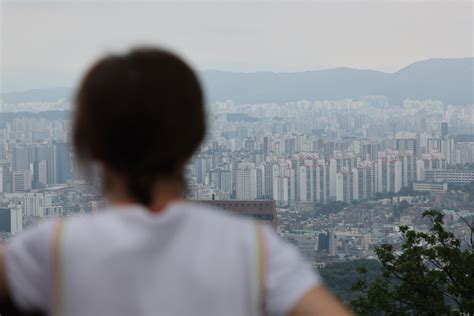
{"points": [[333, 177], [38, 174], [318, 171], [355, 231]]}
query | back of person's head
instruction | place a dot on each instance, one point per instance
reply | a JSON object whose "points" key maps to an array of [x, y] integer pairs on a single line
{"points": [[141, 115]]}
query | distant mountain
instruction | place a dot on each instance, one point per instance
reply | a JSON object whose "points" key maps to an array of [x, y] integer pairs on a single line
{"points": [[49, 115], [37, 95], [449, 80]]}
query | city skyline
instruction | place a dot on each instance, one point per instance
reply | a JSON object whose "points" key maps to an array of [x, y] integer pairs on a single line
{"points": [[336, 178], [345, 127]]}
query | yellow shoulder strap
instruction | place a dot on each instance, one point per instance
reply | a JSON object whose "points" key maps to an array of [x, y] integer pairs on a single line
{"points": [[57, 268], [262, 266]]}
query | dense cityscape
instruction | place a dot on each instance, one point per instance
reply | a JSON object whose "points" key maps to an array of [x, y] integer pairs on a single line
{"points": [[237, 158], [336, 178]]}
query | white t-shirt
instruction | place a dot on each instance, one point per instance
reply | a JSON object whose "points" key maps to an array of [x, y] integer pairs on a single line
{"points": [[190, 259]]}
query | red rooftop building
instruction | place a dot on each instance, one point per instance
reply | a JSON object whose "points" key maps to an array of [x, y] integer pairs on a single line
{"points": [[261, 210]]}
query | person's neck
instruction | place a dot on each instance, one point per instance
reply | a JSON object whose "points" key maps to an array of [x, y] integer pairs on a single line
{"points": [[164, 191]]}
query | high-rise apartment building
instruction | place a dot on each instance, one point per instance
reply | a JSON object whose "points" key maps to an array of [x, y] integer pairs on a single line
{"points": [[389, 175], [20, 158], [444, 129], [433, 160], [63, 162], [406, 144], [11, 220], [347, 185], [246, 181], [21, 181], [321, 182], [201, 166], [5, 183], [366, 177]]}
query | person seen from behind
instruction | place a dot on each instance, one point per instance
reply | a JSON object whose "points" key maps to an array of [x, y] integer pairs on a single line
{"points": [[140, 117]]}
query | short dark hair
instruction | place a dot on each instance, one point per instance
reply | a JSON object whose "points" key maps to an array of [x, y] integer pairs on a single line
{"points": [[141, 114]]}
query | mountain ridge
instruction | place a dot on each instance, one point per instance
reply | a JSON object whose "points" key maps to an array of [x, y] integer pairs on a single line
{"points": [[449, 80]]}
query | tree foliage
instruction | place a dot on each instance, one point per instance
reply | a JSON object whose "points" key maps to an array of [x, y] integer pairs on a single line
{"points": [[340, 276], [432, 274]]}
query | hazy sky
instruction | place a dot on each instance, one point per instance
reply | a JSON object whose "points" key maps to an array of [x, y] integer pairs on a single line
{"points": [[50, 44]]}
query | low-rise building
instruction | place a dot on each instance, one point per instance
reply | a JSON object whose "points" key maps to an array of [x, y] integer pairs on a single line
{"points": [[430, 186]]}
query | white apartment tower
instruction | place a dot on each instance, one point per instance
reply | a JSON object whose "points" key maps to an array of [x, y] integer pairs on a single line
{"points": [[246, 181]]}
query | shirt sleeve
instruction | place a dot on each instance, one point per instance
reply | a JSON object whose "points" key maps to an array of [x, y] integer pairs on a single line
{"points": [[28, 266], [289, 276]]}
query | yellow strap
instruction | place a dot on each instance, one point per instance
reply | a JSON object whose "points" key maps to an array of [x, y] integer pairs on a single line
{"points": [[57, 269], [262, 266]]}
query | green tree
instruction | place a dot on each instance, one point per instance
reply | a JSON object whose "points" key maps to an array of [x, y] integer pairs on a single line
{"points": [[432, 274], [340, 276]]}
